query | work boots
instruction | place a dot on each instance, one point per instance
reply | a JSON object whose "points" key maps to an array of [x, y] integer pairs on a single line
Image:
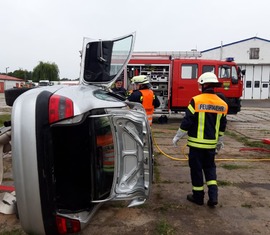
{"points": [[212, 203], [194, 199], [213, 195]]}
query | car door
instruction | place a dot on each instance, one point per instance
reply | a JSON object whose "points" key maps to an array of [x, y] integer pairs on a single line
{"points": [[103, 61]]}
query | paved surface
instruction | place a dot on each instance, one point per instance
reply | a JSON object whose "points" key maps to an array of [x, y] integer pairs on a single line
{"points": [[256, 103], [4, 109]]}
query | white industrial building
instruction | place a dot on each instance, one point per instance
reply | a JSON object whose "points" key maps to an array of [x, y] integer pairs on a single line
{"points": [[252, 54]]}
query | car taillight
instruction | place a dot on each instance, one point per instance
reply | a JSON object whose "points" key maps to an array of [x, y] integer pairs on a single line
{"points": [[66, 225], [60, 108]]}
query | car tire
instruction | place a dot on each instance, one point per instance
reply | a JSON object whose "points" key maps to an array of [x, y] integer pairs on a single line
{"points": [[13, 93]]}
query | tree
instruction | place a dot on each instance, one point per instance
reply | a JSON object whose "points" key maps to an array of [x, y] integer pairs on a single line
{"points": [[45, 71], [23, 74]]}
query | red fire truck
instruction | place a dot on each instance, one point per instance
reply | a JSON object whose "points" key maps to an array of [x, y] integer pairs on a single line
{"points": [[174, 77]]}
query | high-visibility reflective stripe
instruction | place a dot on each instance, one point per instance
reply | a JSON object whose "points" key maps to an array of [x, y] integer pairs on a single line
{"points": [[150, 118], [182, 130], [201, 120], [202, 141], [211, 182], [202, 146], [106, 144], [197, 188], [221, 133], [218, 125], [191, 109], [108, 158]]}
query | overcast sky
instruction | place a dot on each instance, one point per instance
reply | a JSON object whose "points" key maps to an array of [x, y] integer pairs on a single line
{"points": [[53, 30]]}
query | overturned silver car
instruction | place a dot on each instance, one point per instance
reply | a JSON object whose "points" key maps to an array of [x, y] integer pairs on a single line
{"points": [[77, 147]]}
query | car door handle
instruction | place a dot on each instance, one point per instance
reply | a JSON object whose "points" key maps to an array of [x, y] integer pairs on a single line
{"points": [[180, 87]]}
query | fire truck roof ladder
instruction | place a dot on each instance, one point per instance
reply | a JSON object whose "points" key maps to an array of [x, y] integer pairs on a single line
{"points": [[172, 54]]}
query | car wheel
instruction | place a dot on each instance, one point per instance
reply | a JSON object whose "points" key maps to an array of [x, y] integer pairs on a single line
{"points": [[12, 94]]}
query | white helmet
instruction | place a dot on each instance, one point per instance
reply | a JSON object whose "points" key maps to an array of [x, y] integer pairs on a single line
{"points": [[208, 77], [141, 79]]}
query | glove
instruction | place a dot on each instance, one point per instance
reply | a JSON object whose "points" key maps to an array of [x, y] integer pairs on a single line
{"points": [[179, 134], [220, 144]]}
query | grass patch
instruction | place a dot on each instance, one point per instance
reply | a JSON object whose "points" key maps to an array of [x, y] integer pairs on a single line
{"points": [[164, 228], [156, 154], [167, 182], [234, 167], [158, 132], [156, 173], [7, 179], [172, 128], [224, 183], [3, 118], [13, 232], [246, 205], [247, 141]]}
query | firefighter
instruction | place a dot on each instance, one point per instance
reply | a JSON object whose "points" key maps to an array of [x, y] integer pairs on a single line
{"points": [[105, 144], [143, 94], [118, 88], [204, 123], [105, 156]]}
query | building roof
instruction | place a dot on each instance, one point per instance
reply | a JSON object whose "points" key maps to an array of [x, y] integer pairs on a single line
{"points": [[229, 44], [9, 78]]}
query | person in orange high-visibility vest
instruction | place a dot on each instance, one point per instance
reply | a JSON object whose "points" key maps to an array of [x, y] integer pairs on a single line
{"points": [[105, 144], [143, 94], [204, 123], [105, 157]]}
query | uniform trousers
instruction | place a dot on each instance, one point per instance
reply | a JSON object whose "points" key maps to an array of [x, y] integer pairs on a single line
{"points": [[202, 164]]}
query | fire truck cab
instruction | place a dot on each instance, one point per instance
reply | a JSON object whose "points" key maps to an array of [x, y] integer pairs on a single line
{"points": [[174, 79]]}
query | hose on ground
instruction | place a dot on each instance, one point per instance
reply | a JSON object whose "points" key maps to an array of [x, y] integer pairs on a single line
{"points": [[217, 159]]}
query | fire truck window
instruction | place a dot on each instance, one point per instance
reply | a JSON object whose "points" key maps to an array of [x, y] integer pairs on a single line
{"points": [[208, 68], [189, 71], [234, 76], [224, 71], [257, 84], [248, 84]]}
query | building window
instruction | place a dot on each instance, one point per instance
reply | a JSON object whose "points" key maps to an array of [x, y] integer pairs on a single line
{"points": [[257, 84], [248, 84], [254, 53]]}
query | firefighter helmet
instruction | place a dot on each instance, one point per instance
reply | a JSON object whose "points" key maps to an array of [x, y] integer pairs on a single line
{"points": [[141, 79], [208, 77]]}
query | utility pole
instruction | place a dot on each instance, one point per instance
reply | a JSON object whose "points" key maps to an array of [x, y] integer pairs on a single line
{"points": [[7, 70]]}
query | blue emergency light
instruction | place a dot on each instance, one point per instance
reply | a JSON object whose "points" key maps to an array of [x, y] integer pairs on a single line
{"points": [[229, 59]]}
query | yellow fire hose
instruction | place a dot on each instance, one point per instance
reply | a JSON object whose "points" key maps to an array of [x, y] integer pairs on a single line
{"points": [[217, 159]]}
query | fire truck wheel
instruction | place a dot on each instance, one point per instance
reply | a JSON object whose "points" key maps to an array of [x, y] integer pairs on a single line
{"points": [[163, 119], [13, 93]]}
